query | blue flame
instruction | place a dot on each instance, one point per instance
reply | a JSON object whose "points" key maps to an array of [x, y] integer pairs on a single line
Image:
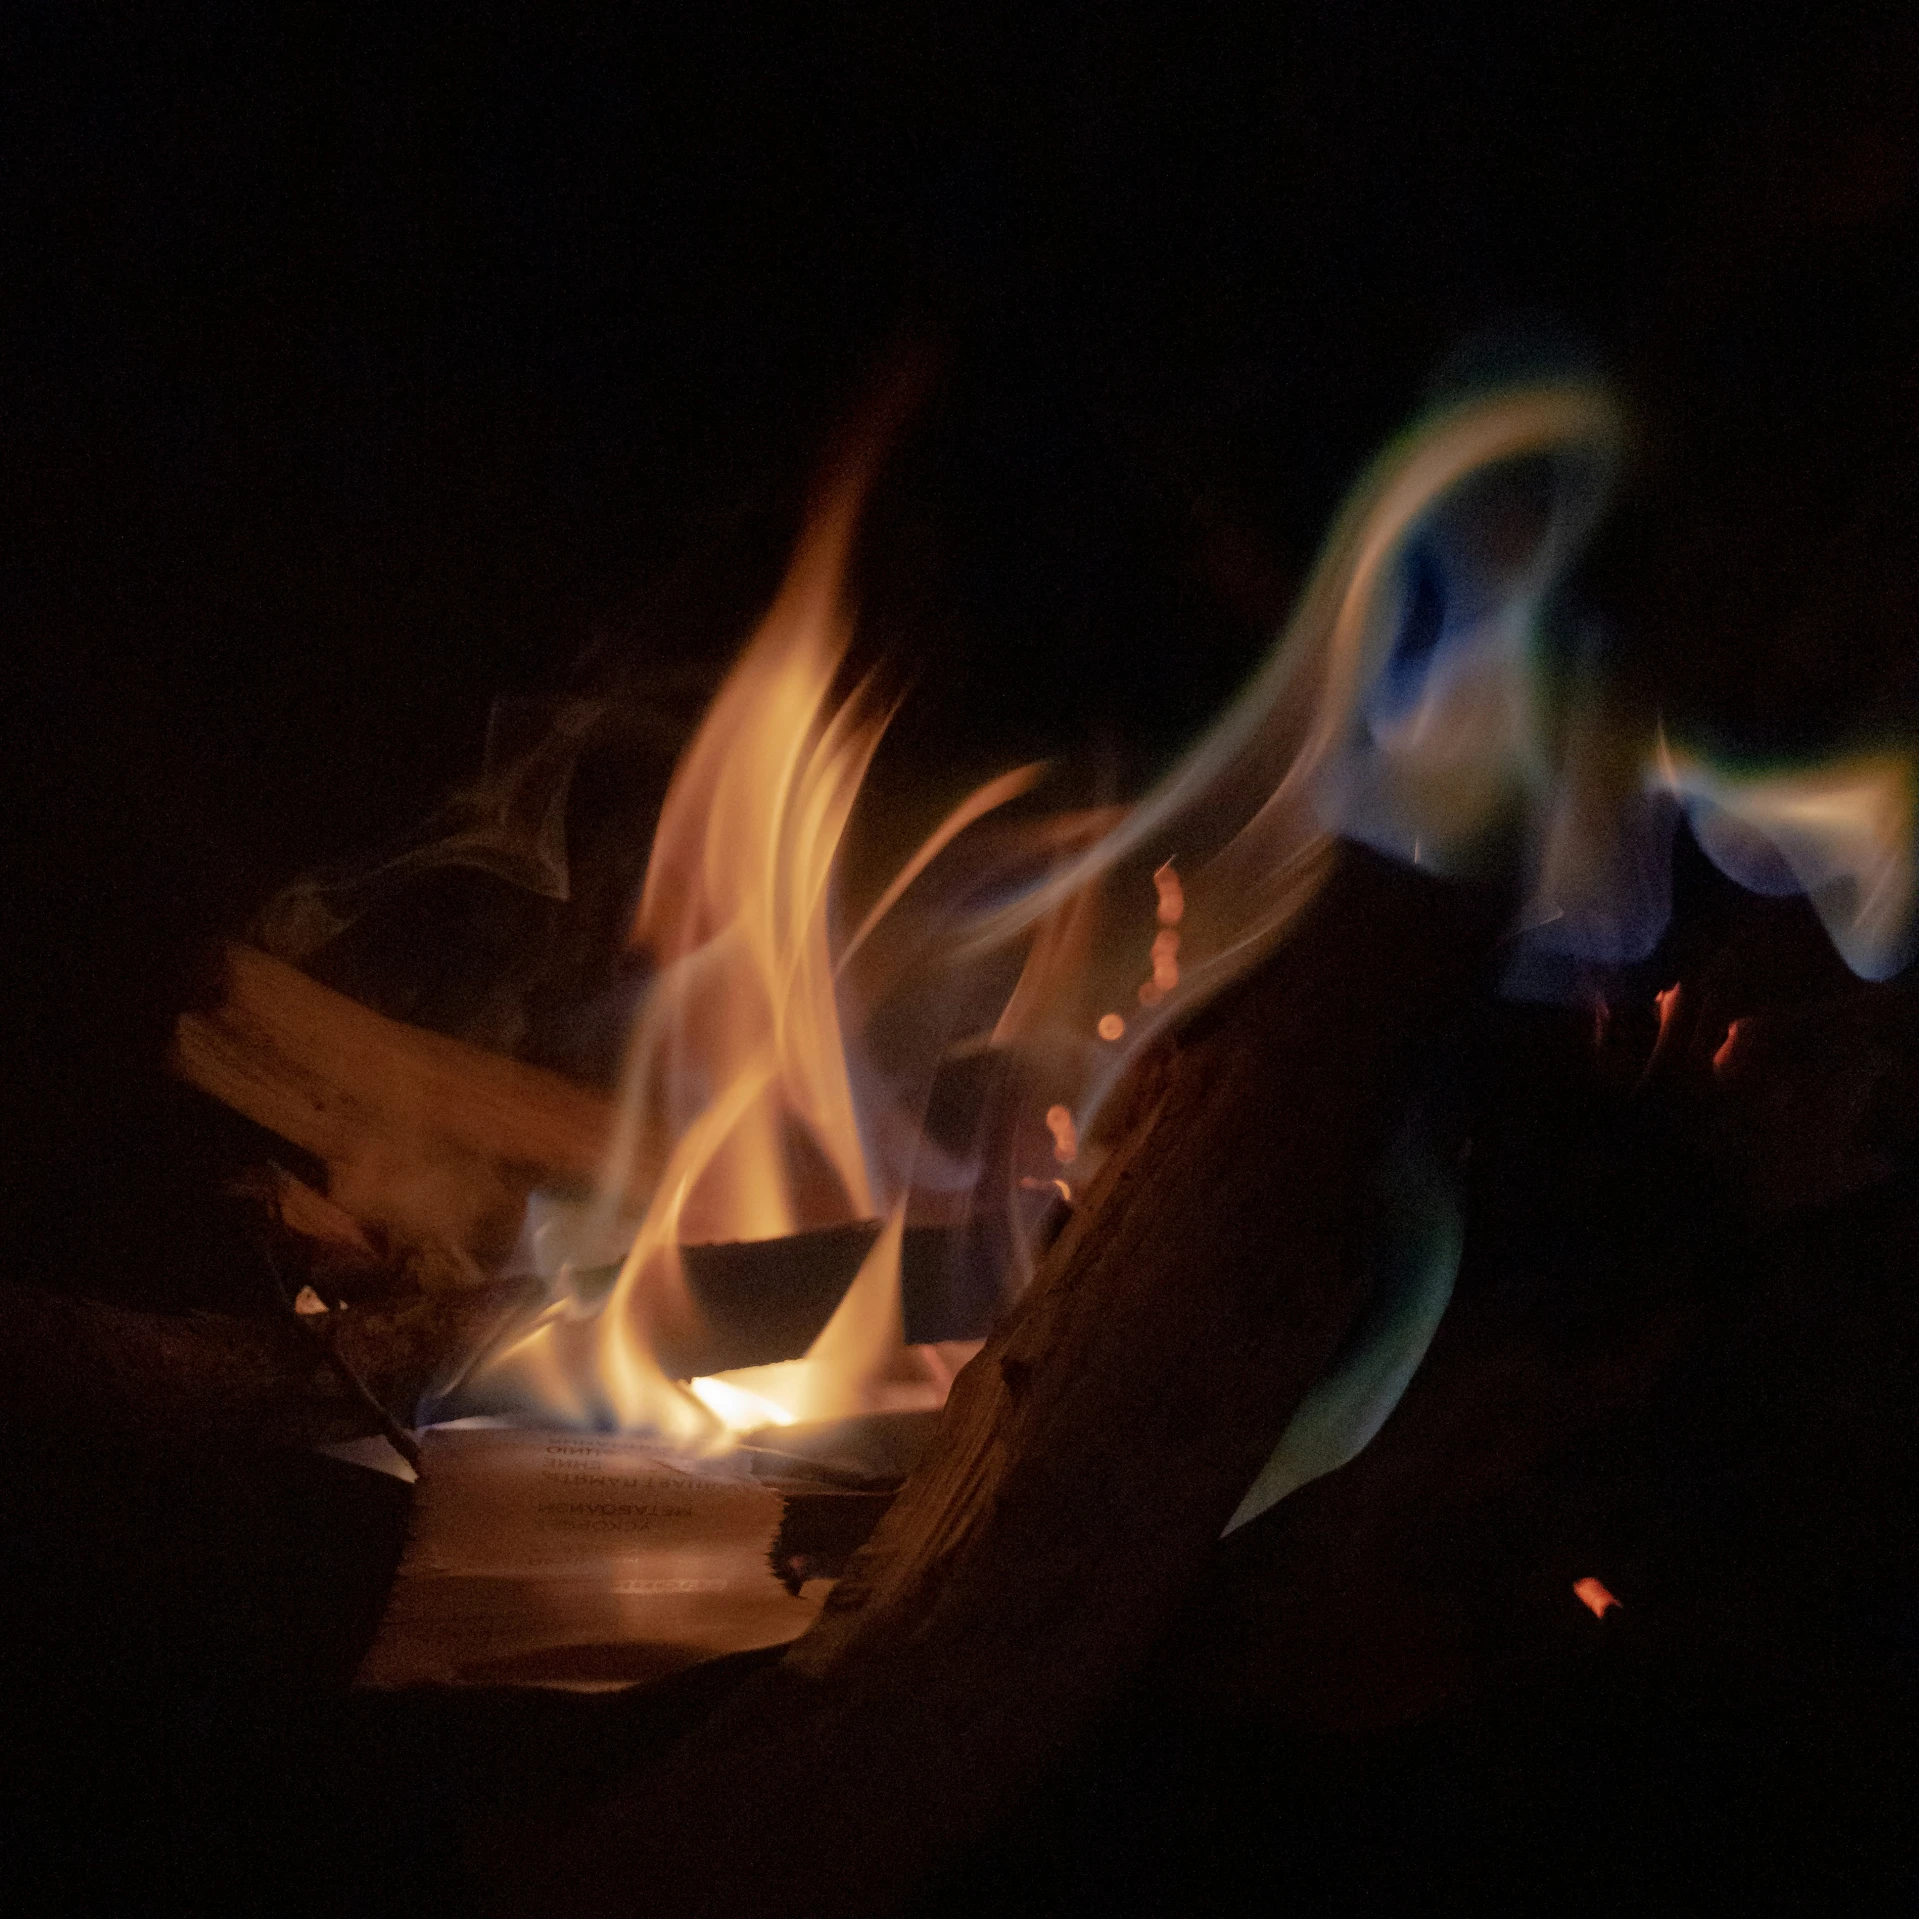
{"points": [[1422, 1232]]}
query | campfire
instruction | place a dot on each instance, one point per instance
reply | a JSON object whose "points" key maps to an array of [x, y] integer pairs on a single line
{"points": [[954, 1261], [970, 964]]}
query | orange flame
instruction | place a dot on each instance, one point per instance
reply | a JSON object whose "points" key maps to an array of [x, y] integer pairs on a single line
{"points": [[738, 1119], [860, 1362]]}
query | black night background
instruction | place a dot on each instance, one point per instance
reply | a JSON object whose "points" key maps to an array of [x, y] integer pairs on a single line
{"points": [[359, 365]]}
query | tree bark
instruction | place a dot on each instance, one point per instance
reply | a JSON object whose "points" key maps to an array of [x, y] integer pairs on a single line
{"points": [[1086, 1463]]}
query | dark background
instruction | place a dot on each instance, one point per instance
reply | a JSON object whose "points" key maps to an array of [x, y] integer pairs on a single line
{"points": [[361, 364]]}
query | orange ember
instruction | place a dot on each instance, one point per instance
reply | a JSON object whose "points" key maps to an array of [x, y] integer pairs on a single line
{"points": [[1166, 960], [1594, 1597], [1030, 1185], [1723, 1059]]}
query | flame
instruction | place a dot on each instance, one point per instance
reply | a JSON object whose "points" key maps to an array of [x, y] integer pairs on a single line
{"points": [[1845, 833], [860, 1363], [734, 911], [738, 1119], [1409, 704], [737, 1407], [1337, 734]]}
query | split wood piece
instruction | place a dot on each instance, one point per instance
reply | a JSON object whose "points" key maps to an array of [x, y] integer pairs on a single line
{"points": [[435, 1141], [1087, 1460], [309, 1217], [215, 1378]]}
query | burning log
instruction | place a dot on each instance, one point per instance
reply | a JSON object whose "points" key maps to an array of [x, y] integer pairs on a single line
{"points": [[1087, 1461], [435, 1141]]}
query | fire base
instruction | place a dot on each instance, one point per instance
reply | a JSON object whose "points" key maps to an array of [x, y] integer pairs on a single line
{"points": [[590, 1562]]}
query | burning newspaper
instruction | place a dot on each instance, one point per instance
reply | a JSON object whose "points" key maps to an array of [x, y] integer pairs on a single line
{"points": [[579, 1560]]}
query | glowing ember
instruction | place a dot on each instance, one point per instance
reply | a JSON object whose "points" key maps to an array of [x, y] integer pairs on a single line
{"points": [[1723, 1059], [1166, 960], [1059, 1122], [1172, 895], [1030, 1185], [1594, 1597], [1111, 1026], [1668, 1003]]}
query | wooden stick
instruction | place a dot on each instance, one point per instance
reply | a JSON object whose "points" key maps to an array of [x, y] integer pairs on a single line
{"points": [[296, 1208], [1086, 1462], [421, 1134], [315, 1317]]}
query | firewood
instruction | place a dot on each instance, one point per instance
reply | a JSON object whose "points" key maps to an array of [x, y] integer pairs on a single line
{"points": [[1087, 1460], [219, 1378], [309, 1217], [433, 1140]]}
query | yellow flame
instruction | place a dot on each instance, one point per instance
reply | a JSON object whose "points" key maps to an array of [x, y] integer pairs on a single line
{"points": [[735, 911], [738, 1119], [734, 1406], [860, 1362]]}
